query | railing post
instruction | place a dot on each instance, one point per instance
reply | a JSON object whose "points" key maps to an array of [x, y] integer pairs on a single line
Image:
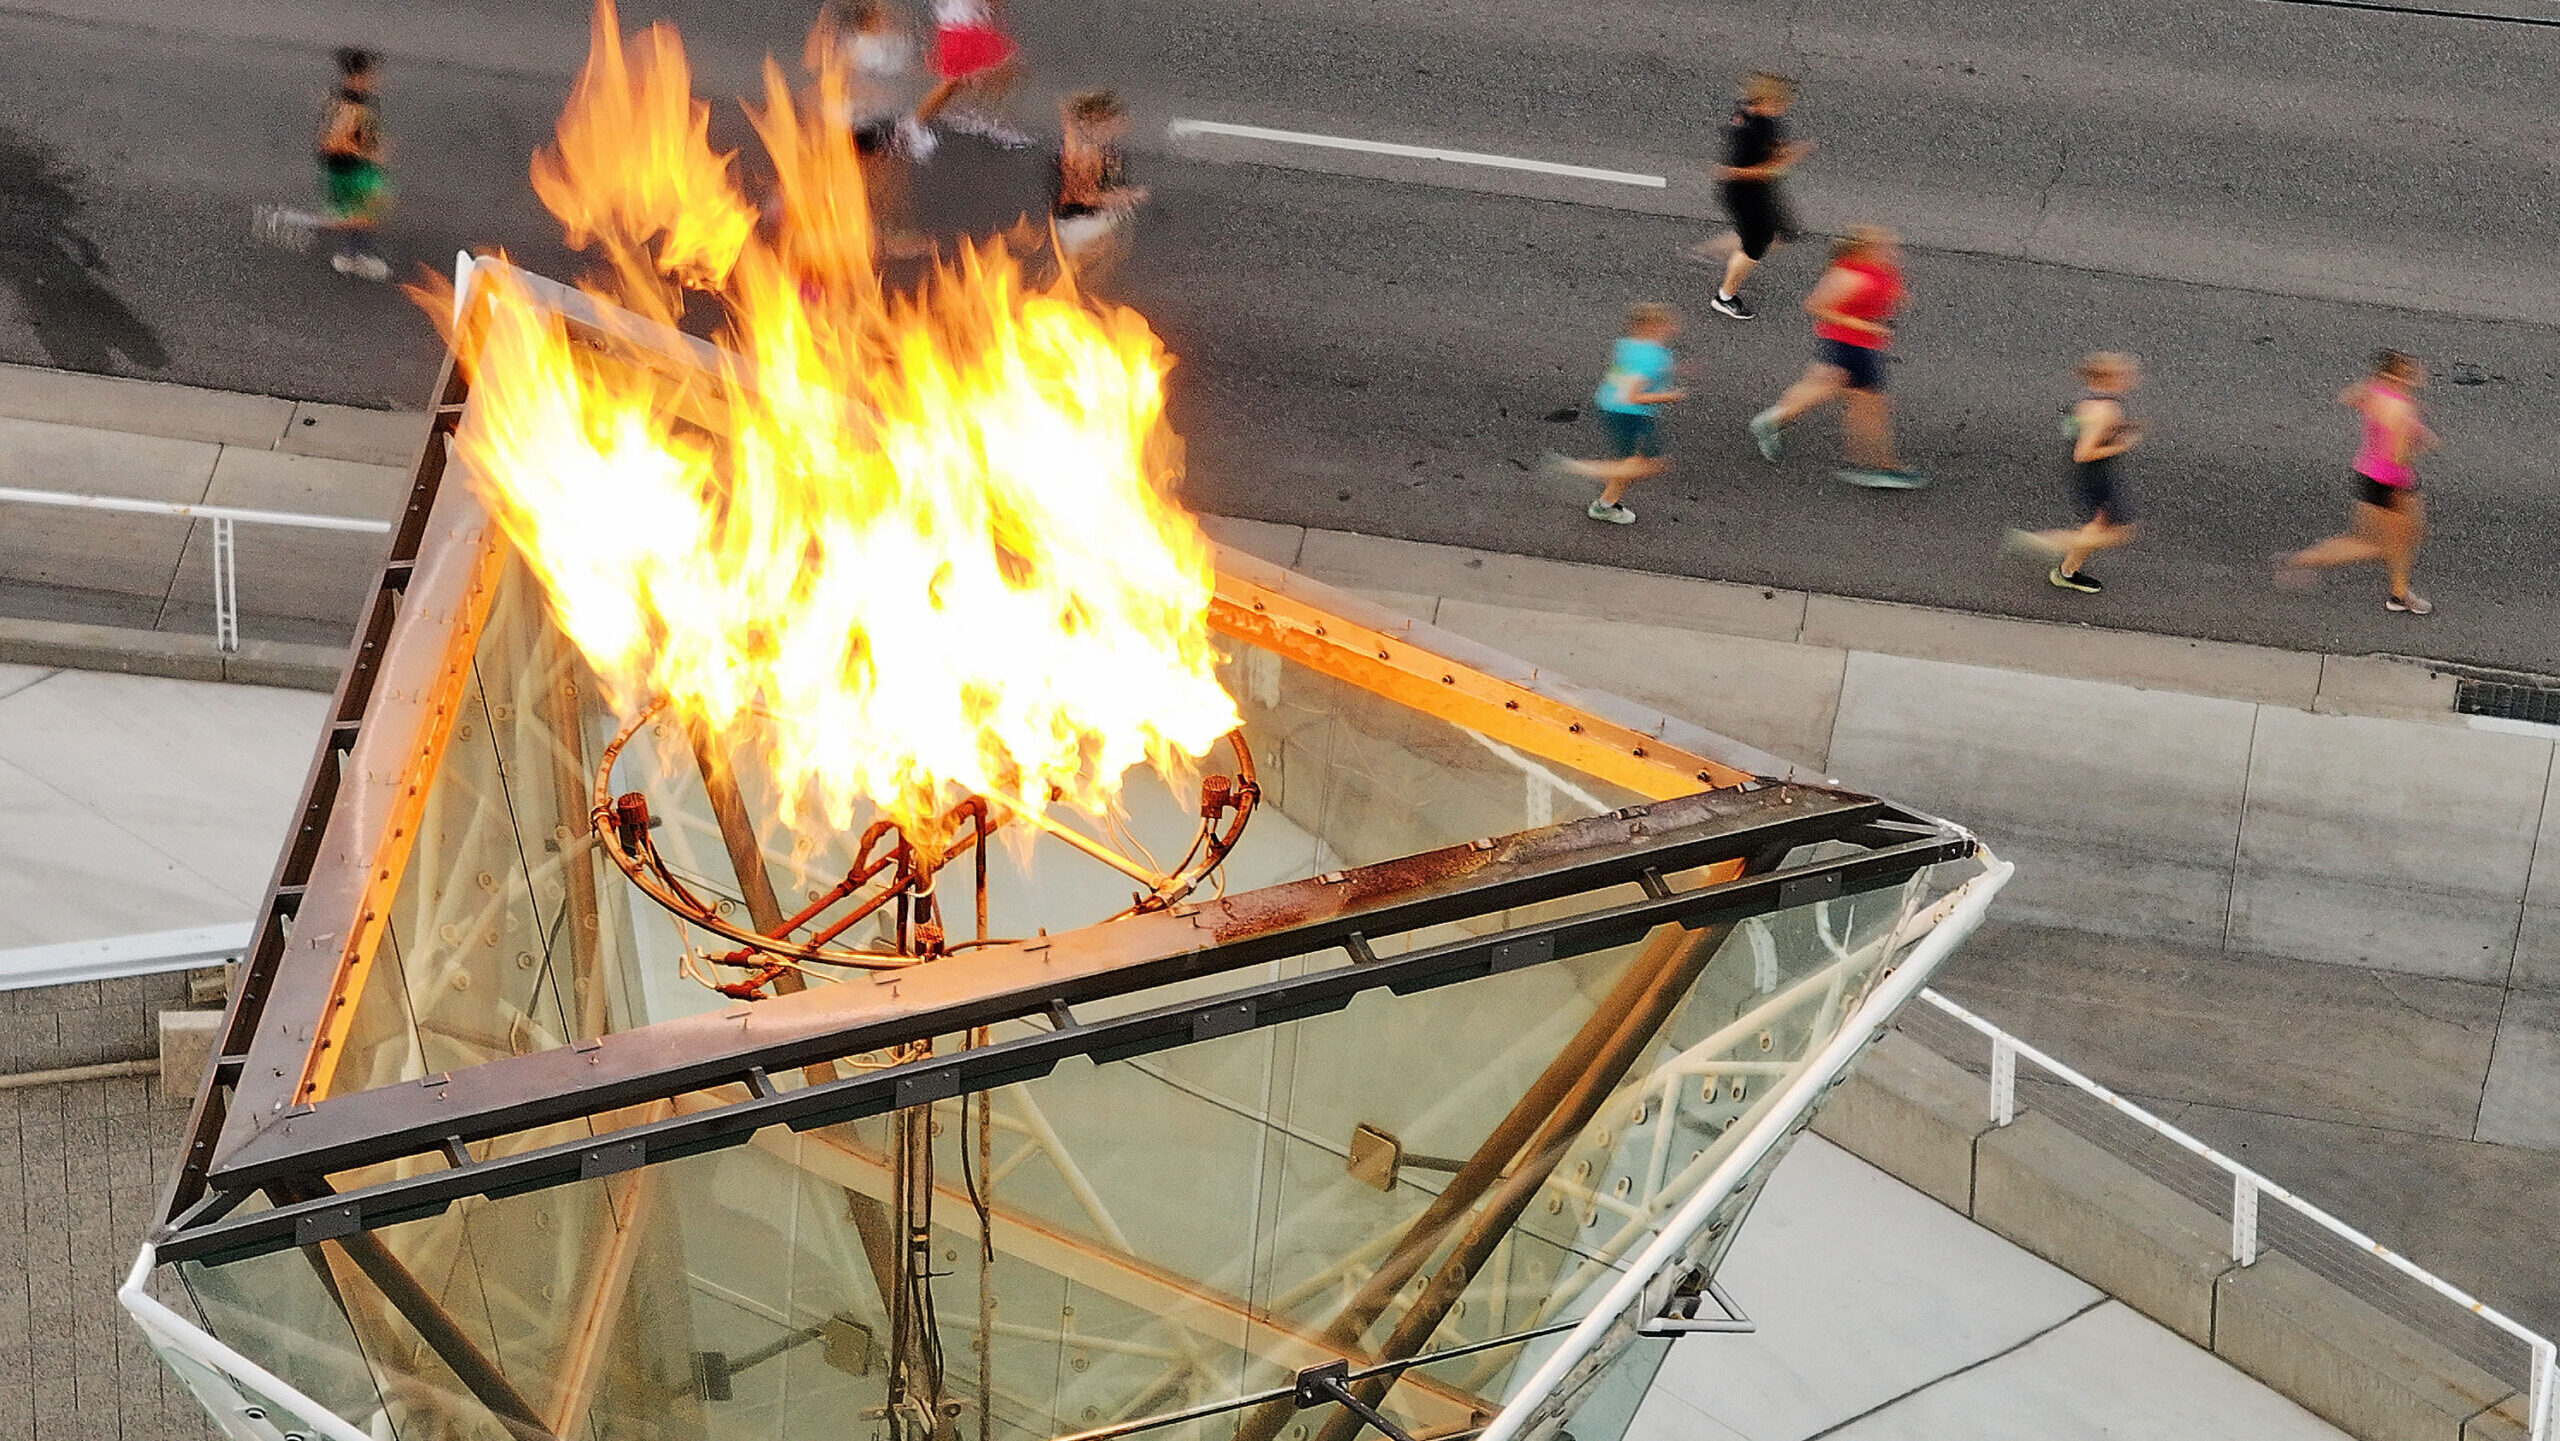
{"points": [[2546, 1372], [2244, 1218], [226, 588], [2004, 1079]]}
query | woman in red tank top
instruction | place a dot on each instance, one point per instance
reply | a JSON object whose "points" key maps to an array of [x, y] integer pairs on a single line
{"points": [[1852, 306]]}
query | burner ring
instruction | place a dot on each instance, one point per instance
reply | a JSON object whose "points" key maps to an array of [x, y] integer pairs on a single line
{"points": [[622, 826]]}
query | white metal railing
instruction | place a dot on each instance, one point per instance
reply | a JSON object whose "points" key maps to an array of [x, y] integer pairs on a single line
{"points": [[112, 957], [2248, 1190], [225, 518], [1934, 934]]}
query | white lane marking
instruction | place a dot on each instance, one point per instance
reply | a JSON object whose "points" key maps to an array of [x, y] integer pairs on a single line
{"points": [[1180, 128]]}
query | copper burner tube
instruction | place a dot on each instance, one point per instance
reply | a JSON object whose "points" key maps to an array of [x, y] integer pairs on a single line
{"points": [[906, 874]]}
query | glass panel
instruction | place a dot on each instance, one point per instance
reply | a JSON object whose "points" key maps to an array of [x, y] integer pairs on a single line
{"points": [[282, 1312], [1172, 1231], [511, 933], [238, 1411], [1169, 1231], [1608, 1406]]}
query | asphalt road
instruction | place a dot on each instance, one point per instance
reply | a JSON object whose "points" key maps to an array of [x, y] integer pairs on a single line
{"points": [[2251, 195]]}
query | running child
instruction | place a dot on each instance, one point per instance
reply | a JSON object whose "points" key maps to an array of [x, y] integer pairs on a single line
{"points": [[861, 42], [1092, 205], [1758, 155], [2099, 431], [2390, 516], [1853, 306], [353, 191], [1633, 391], [352, 185]]}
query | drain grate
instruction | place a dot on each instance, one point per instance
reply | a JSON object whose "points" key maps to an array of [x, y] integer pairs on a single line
{"points": [[2508, 700]]}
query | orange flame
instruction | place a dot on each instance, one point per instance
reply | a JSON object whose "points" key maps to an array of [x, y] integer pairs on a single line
{"points": [[900, 545]]}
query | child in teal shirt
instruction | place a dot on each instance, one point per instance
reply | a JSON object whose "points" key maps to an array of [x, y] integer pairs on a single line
{"points": [[1638, 384]]}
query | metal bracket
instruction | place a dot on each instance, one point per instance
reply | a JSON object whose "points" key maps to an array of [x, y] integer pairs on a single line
{"points": [[1681, 1317], [1376, 1158], [1329, 1384]]}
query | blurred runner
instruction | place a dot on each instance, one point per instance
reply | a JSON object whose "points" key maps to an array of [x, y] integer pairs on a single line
{"points": [[2390, 516], [1092, 205], [2099, 431], [978, 62], [1635, 388], [1758, 154], [862, 39], [351, 180], [1853, 306], [353, 191]]}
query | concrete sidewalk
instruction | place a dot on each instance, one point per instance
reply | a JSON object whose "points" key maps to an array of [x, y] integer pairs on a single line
{"points": [[2330, 808], [1884, 1315], [2425, 1111], [101, 435], [139, 803]]}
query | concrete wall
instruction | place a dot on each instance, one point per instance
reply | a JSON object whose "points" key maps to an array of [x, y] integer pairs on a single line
{"points": [[1917, 1116], [2331, 808]]}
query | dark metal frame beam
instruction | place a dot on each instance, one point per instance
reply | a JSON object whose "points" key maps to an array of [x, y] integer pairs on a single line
{"points": [[226, 1074], [870, 1093], [826, 1023]]}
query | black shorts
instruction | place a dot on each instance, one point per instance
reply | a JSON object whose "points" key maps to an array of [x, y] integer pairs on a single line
{"points": [[2094, 481], [1630, 435], [1760, 218], [873, 137], [2390, 497], [1864, 363]]}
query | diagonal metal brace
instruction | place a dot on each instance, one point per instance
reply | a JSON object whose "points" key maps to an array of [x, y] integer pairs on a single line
{"points": [[1330, 1384]]}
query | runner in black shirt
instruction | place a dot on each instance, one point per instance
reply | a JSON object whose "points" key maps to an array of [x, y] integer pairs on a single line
{"points": [[1758, 154]]}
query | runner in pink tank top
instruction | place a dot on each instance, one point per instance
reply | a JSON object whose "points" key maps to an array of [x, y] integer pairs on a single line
{"points": [[2379, 459], [2390, 516]]}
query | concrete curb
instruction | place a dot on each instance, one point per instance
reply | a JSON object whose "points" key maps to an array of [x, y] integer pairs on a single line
{"points": [[68, 646], [1418, 574], [1918, 1116]]}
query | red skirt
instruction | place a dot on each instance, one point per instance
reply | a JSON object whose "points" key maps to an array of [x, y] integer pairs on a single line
{"points": [[968, 50]]}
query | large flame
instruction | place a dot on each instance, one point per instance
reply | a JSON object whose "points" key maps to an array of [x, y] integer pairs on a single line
{"points": [[901, 545]]}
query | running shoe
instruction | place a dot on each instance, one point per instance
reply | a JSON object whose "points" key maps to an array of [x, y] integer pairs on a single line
{"points": [[1884, 479], [284, 227], [362, 267], [1771, 435], [2085, 584], [1734, 306], [1614, 514], [916, 140], [2415, 605], [989, 128]]}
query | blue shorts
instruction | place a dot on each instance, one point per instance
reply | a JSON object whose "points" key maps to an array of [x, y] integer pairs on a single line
{"points": [[1630, 435], [1864, 363]]}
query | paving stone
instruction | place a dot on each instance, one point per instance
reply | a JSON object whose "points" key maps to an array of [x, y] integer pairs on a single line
{"points": [[2520, 1106], [2339, 1043], [2383, 843]]}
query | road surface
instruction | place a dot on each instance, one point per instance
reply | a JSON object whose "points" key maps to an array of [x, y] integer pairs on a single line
{"points": [[2250, 194]]}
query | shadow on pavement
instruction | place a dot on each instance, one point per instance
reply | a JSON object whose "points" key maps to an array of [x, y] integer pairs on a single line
{"points": [[55, 269]]}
